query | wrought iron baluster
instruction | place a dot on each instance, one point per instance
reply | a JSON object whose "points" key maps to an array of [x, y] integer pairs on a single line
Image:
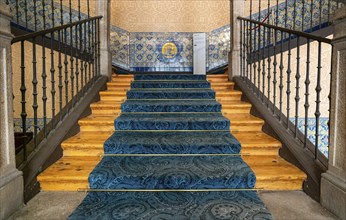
{"points": [[297, 98], [275, 56], [44, 74], [318, 99], [80, 50], [98, 48], [263, 63], [259, 57], [34, 89], [23, 101], [77, 60], [253, 53], [52, 67], [247, 50], [66, 81], [289, 71], [89, 45], [85, 58], [71, 57], [307, 83], [281, 85], [244, 50], [60, 66], [268, 54], [250, 55], [93, 46]]}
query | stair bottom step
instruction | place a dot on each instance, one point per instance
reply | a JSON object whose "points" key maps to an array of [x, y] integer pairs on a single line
{"points": [[179, 172], [171, 205]]}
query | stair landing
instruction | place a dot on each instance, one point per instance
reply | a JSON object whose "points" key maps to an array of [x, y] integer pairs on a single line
{"points": [[83, 151]]}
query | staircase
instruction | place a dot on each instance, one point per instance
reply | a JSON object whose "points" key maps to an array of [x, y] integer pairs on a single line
{"points": [[82, 151]]}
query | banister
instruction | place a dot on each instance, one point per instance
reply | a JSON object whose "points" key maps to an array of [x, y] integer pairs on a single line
{"points": [[51, 30]]}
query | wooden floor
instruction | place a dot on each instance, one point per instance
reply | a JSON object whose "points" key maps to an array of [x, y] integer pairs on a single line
{"points": [[82, 151]]}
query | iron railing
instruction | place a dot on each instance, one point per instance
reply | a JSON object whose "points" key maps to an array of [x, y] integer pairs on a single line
{"points": [[274, 68], [69, 72]]}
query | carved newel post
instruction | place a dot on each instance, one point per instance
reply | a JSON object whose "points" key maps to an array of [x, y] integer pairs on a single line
{"points": [[11, 180], [333, 183], [103, 8], [237, 8]]}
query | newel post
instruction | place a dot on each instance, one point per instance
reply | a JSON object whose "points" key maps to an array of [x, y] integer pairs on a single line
{"points": [[103, 9], [237, 8], [333, 183], [11, 180]]}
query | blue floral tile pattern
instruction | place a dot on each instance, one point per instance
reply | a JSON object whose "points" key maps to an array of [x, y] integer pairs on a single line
{"points": [[323, 141]]}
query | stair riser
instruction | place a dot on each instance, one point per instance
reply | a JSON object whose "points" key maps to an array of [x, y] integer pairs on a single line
{"points": [[163, 85], [108, 111], [64, 186], [112, 98], [75, 152], [170, 95], [168, 125], [149, 77], [183, 108], [260, 151], [234, 128], [273, 184]]}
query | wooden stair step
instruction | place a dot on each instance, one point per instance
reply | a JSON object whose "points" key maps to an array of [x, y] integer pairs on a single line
{"points": [[212, 80], [217, 76], [239, 122], [235, 106], [257, 143], [85, 144], [244, 122], [274, 173], [68, 174]]}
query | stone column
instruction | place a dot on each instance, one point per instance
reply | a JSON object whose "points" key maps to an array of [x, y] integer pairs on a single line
{"points": [[11, 180], [237, 8], [333, 183], [103, 8]]}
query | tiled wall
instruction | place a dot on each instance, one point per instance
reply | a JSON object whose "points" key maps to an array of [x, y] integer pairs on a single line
{"points": [[142, 51], [323, 141], [146, 52]]}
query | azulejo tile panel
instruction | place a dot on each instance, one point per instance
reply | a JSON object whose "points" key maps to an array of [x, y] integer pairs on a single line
{"points": [[120, 47], [154, 51], [218, 47], [323, 141]]}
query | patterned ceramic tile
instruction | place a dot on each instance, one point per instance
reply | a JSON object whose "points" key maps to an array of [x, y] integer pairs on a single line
{"points": [[323, 141], [218, 47], [120, 47]]}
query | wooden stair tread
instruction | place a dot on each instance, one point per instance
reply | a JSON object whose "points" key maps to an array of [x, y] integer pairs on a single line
{"points": [[243, 118], [70, 168], [256, 139]]}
